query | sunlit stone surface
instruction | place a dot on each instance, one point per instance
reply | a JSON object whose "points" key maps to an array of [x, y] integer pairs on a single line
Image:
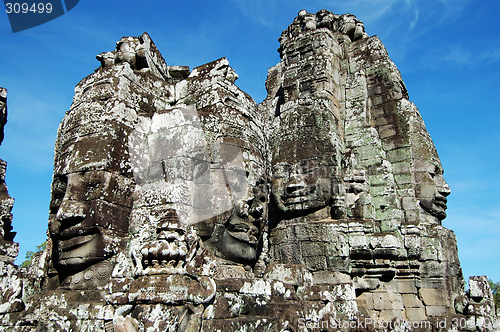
{"points": [[179, 204]]}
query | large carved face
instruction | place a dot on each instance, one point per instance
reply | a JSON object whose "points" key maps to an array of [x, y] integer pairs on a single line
{"points": [[206, 183], [351, 26], [89, 209], [236, 237], [304, 186], [237, 240], [431, 188]]}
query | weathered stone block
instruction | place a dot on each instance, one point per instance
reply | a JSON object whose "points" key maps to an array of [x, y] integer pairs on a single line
{"points": [[391, 226], [289, 274], [432, 283], [402, 179], [433, 268], [331, 278], [399, 154], [366, 283], [387, 301], [412, 217], [170, 289], [316, 263], [388, 130], [390, 314], [406, 286], [313, 248], [331, 293], [432, 310], [411, 301], [415, 314], [409, 203], [432, 296]]}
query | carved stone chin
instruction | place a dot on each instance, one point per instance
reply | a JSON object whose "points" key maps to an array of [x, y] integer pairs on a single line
{"points": [[96, 275], [233, 246]]}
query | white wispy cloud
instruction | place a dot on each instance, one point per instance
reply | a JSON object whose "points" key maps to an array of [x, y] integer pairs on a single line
{"points": [[458, 54], [258, 10], [416, 13]]}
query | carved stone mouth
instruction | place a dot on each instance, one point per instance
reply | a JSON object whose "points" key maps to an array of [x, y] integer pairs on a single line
{"points": [[441, 201], [243, 230], [80, 250], [77, 231], [244, 237], [296, 199], [169, 235], [75, 242]]}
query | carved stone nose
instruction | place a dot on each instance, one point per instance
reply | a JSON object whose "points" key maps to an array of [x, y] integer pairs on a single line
{"points": [[442, 187], [72, 210], [444, 190]]}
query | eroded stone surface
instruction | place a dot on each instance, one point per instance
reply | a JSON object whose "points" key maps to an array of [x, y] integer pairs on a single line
{"points": [[11, 282], [178, 204]]}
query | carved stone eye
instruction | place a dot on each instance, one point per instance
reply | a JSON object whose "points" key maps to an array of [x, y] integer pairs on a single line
{"points": [[58, 191], [433, 172]]}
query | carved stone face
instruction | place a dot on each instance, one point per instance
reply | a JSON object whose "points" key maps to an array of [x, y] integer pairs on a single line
{"points": [[432, 189], [161, 245], [238, 239], [88, 205], [89, 209], [352, 27], [206, 184], [304, 186]]}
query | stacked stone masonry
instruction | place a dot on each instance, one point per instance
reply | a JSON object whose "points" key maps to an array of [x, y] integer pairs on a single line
{"points": [[179, 204]]}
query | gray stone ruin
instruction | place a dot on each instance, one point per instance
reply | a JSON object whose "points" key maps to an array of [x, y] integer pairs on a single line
{"points": [[10, 277], [179, 204]]}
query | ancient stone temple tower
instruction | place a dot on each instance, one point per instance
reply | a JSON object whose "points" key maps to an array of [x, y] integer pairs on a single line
{"points": [[179, 204]]}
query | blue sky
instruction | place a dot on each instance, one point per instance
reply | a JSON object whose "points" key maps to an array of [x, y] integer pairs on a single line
{"points": [[448, 52]]}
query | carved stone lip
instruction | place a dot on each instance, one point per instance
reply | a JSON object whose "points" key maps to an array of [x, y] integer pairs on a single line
{"points": [[240, 229], [74, 242], [244, 237], [295, 199], [76, 231], [440, 201], [297, 196]]}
